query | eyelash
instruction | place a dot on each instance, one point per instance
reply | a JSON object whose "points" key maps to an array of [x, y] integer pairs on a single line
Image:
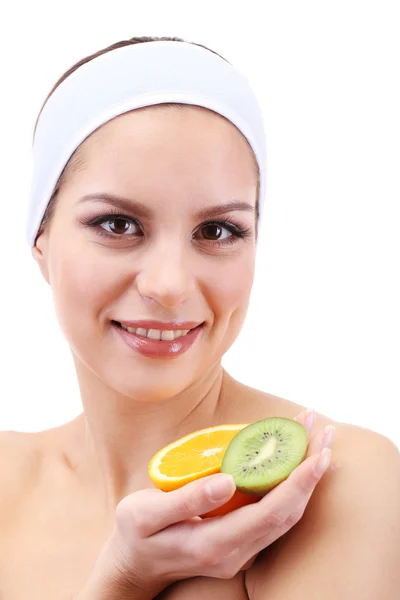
{"points": [[236, 230]]}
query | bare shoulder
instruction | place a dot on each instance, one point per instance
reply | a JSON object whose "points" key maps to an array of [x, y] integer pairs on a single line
{"points": [[23, 458], [19, 456], [25, 455], [19, 463], [17, 449], [351, 526], [244, 403]]}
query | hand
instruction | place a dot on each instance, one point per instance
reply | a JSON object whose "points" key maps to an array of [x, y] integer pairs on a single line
{"points": [[159, 538], [316, 444]]}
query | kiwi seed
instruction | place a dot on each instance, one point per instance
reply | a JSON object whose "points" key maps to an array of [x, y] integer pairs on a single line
{"points": [[264, 453]]}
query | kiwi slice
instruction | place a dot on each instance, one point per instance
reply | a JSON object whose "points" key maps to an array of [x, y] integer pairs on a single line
{"points": [[264, 453]]}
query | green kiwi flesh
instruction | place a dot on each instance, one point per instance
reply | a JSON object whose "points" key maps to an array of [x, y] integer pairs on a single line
{"points": [[264, 453]]}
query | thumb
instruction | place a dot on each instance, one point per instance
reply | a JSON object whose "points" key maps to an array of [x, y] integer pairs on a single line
{"points": [[160, 509], [195, 498]]}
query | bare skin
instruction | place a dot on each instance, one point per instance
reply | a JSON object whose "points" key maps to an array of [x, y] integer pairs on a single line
{"points": [[55, 522], [59, 489]]}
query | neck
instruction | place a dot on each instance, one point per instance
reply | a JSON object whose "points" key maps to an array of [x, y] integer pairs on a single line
{"points": [[116, 436]]}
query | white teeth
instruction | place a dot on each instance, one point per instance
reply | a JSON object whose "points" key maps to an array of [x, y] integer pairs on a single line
{"points": [[166, 335], [154, 334]]}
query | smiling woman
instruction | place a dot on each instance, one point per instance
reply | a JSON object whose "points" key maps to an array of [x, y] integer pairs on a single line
{"points": [[118, 237], [148, 188]]}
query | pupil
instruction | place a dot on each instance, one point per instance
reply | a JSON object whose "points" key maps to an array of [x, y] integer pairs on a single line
{"points": [[212, 232], [120, 225]]}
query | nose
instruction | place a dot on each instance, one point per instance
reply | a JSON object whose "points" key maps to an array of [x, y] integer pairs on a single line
{"points": [[165, 274]]}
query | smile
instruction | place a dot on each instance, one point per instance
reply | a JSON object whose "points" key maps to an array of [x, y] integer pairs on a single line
{"points": [[159, 343], [165, 335]]}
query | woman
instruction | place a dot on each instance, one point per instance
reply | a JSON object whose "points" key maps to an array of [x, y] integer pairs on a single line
{"points": [[145, 216]]}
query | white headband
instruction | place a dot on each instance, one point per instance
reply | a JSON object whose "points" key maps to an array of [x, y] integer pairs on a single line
{"points": [[132, 77]]}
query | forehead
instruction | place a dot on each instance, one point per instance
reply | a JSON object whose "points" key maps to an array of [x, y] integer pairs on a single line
{"points": [[169, 133], [167, 152]]}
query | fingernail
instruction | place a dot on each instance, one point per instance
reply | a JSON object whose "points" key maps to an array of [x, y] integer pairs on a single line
{"points": [[310, 418], [323, 462], [329, 435], [220, 486]]}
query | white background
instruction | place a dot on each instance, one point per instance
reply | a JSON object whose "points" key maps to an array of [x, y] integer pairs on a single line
{"points": [[323, 327]]}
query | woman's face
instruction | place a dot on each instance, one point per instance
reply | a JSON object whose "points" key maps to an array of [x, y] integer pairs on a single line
{"points": [[141, 233]]}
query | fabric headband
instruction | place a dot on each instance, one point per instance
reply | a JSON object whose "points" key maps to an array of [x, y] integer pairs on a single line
{"points": [[132, 77]]}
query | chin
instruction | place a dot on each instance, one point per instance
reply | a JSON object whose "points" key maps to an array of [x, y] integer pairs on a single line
{"points": [[150, 391]]}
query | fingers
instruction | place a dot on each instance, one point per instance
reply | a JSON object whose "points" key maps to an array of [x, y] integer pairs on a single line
{"points": [[274, 514], [323, 439], [303, 480], [307, 419], [320, 463], [150, 511], [249, 563]]}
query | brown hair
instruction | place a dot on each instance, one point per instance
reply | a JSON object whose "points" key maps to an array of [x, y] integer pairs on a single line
{"points": [[76, 160]]}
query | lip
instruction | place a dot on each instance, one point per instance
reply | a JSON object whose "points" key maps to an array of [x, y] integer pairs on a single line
{"points": [[158, 348], [160, 325]]}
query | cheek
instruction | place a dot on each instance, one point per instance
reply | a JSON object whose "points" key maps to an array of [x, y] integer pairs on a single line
{"points": [[228, 295], [81, 288], [230, 288]]}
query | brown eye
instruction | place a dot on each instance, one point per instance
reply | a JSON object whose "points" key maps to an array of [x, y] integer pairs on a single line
{"points": [[119, 226], [211, 232], [214, 232]]}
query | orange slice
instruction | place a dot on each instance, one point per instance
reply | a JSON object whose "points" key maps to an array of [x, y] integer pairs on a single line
{"points": [[195, 455]]}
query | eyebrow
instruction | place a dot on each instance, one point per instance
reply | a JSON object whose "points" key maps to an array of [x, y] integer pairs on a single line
{"points": [[143, 211]]}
